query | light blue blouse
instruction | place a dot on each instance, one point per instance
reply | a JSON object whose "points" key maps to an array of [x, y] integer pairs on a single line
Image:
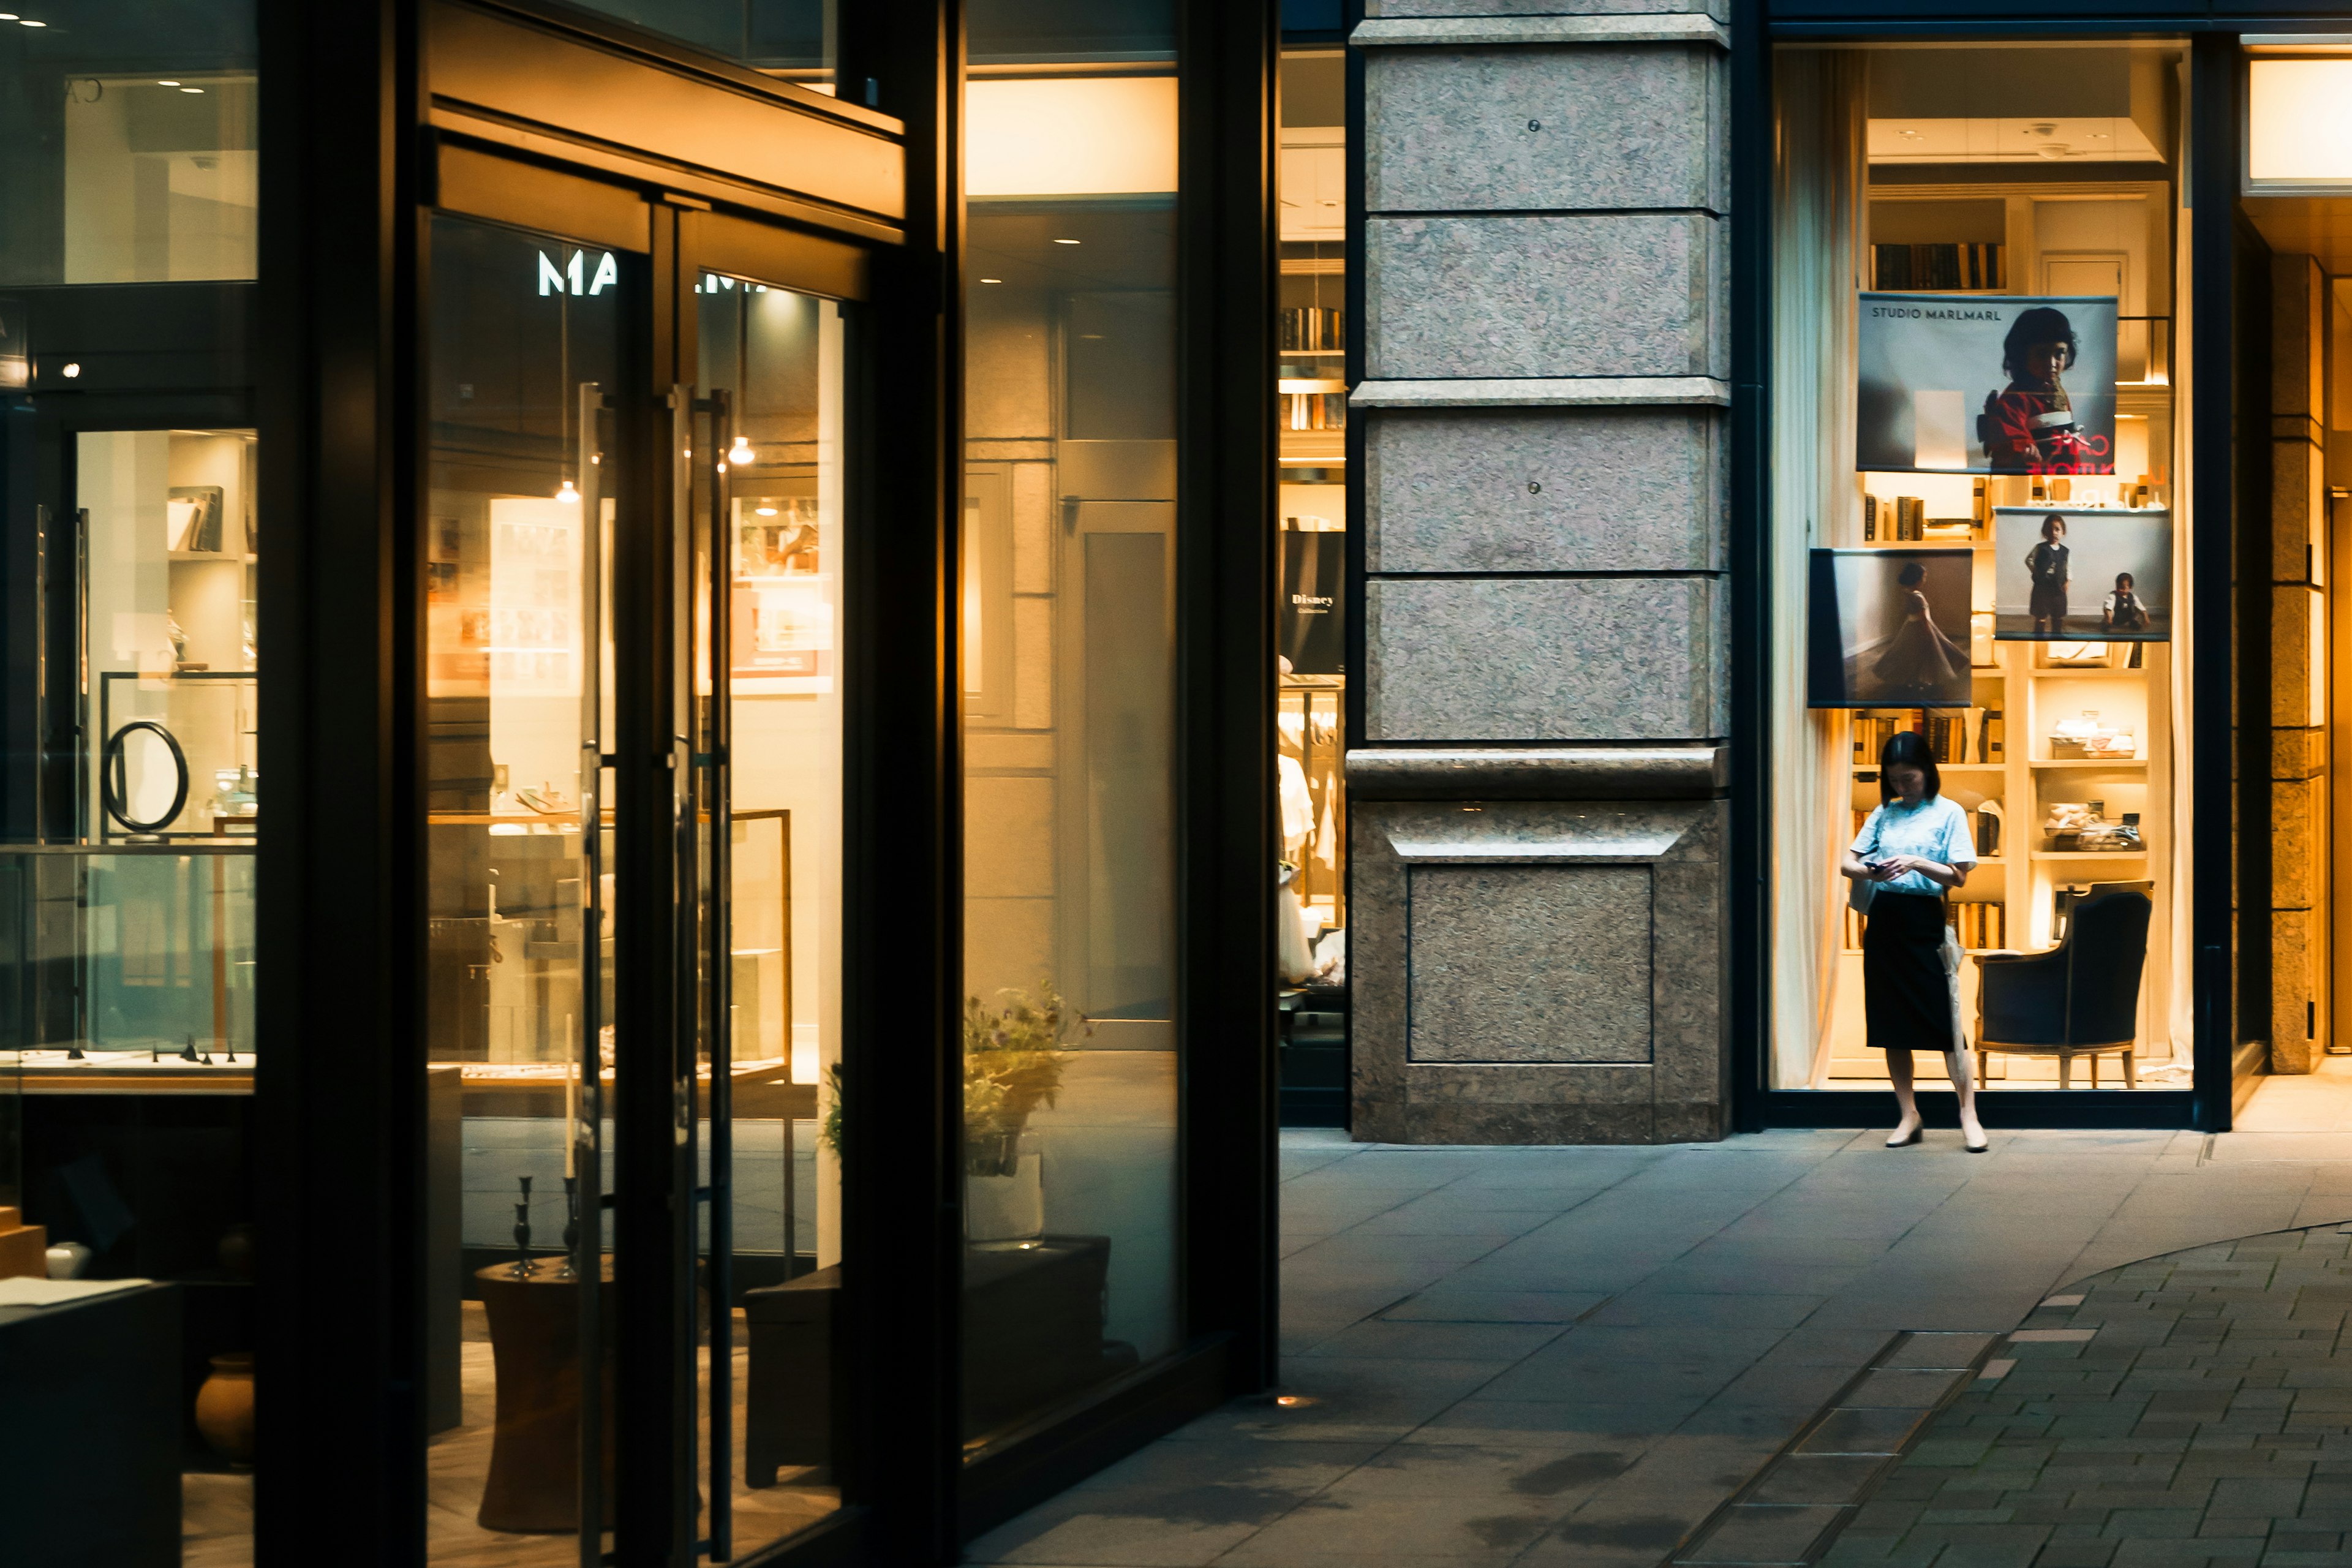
{"points": [[1933, 830]]}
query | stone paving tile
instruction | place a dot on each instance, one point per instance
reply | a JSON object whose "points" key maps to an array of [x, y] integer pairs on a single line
{"points": [[1571, 1357], [2185, 1430]]}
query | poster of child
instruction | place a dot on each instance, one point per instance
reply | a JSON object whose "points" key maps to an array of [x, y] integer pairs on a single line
{"points": [[2063, 575], [1985, 384]]}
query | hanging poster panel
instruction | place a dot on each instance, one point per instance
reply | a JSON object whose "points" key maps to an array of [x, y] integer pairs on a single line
{"points": [[2065, 574], [1885, 629], [1985, 384]]}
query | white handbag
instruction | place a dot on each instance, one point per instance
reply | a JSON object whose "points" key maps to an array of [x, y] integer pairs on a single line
{"points": [[1861, 891]]}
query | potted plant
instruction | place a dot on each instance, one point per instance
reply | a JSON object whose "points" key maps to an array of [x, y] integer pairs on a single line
{"points": [[1013, 1059]]}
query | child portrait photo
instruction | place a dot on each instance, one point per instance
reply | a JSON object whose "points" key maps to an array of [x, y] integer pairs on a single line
{"points": [[1986, 383], [1888, 628], [2066, 575]]}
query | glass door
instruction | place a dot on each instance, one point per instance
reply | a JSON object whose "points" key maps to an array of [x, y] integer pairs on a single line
{"points": [[769, 549], [529, 334]]}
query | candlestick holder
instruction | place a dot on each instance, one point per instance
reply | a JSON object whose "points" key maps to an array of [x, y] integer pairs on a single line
{"points": [[571, 1226], [521, 1269]]}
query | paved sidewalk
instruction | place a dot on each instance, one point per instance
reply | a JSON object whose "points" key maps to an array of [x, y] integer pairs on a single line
{"points": [[2191, 1410], [1573, 1356]]}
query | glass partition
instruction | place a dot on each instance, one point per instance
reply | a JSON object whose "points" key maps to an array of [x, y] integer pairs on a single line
{"points": [[794, 41], [1068, 684], [1979, 540]]}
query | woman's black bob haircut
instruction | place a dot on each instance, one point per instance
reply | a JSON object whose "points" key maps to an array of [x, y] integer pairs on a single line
{"points": [[2042, 324], [1908, 749]]}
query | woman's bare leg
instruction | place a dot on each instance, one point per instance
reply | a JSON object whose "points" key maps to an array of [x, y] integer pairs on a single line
{"points": [[1964, 1084], [1899, 1069]]}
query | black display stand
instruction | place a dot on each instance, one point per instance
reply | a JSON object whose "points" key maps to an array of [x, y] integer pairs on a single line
{"points": [[90, 1430]]}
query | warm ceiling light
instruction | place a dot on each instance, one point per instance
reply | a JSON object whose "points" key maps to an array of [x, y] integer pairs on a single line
{"points": [[765, 511], [167, 84], [73, 370], [740, 452], [991, 280], [569, 494], [1068, 242], [8, 16], [24, 22], [191, 89]]}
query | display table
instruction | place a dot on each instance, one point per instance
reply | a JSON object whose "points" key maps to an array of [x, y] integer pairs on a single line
{"points": [[89, 1431], [534, 1479]]}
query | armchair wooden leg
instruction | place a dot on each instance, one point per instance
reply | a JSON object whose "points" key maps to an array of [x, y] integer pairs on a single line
{"points": [[2066, 1069], [2095, 1069], [2131, 1077], [1982, 1070]]}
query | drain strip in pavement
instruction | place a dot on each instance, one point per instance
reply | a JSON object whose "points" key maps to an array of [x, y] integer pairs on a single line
{"points": [[1787, 1516]]}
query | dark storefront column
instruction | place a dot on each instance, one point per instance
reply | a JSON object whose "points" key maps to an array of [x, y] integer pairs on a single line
{"points": [[339, 1119]]}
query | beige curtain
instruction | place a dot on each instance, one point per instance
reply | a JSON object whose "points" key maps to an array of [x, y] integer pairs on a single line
{"points": [[1819, 200]]}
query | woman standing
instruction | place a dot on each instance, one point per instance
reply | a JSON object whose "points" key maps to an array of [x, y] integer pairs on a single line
{"points": [[1914, 849]]}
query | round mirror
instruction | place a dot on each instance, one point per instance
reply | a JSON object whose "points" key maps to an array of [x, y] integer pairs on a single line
{"points": [[145, 776]]}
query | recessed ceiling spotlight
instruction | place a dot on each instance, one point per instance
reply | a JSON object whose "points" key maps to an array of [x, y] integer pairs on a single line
{"points": [[991, 280], [167, 84], [1068, 242], [73, 370], [9, 17], [26, 22], [191, 89]]}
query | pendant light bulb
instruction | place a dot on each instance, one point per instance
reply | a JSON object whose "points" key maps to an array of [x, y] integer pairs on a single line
{"points": [[740, 453], [569, 494]]}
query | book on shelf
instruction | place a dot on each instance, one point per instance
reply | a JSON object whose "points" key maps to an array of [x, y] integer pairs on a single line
{"points": [[1310, 329], [1869, 518], [1315, 410], [1975, 266]]}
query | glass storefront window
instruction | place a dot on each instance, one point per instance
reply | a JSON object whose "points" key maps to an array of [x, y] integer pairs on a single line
{"points": [[1310, 628], [1978, 526], [1069, 963], [130, 797]]}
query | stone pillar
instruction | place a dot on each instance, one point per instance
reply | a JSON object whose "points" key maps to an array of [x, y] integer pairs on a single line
{"points": [[1537, 914], [2298, 733]]}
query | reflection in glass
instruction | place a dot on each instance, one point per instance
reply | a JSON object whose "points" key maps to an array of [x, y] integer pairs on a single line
{"points": [[1070, 1274], [770, 537], [519, 519], [791, 39], [129, 146]]}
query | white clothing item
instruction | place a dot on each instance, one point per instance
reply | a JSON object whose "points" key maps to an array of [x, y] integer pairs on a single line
{"points": [[1298, 805]]}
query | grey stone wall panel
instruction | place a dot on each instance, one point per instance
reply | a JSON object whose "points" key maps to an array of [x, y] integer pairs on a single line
{"points": [[1548, 294], [1597, 489], [1550, 867], [1612, 658], [1555, 129], [1529, 964]]}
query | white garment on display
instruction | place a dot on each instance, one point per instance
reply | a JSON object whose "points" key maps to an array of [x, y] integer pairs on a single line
{"points": [[1298, 805]]}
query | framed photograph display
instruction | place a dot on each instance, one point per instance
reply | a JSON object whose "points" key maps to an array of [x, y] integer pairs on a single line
{"points": [[1986, 383], [1888, 628], [2066, 575]]}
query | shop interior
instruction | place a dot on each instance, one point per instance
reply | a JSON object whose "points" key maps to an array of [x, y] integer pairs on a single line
{"points": [[1951, 176], [1310, 630]]}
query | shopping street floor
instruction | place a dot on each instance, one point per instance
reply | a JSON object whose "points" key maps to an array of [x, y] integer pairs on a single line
{"points": [[1597, 1356]]}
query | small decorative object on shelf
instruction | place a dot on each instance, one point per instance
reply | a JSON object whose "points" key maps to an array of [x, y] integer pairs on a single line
{"points": [[2087, 740], [571, 1226], [521, 1269]]}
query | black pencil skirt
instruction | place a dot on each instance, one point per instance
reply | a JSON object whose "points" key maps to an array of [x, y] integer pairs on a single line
{"points": [[1906, 997]]}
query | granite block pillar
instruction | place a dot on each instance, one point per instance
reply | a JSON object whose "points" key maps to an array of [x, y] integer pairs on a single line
{"points": [[1537, 796]]}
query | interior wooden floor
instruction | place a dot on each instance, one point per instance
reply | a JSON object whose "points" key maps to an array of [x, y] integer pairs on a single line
{"points": [[216, 1509]]}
